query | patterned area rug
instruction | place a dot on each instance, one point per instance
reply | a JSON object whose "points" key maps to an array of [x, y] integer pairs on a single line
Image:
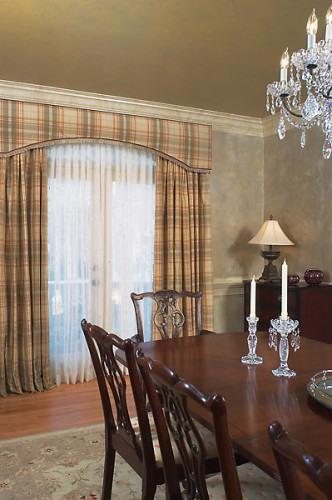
{"points": [[63, 465]]}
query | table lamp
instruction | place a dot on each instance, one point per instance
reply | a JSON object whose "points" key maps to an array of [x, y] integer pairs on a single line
{"points": [[270, 234]]}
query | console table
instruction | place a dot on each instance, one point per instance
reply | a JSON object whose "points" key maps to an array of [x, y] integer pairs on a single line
{"points": [[310, 305]]}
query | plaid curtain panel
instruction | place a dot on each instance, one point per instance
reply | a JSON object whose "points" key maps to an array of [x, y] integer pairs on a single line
{"points": [[183, 227], [24, 329], [182, 259], [24, 123]]}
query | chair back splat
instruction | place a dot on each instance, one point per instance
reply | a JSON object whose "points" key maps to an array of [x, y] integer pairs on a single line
{"points": [[172, 309], [291, 457], [130, 437], [169, 396]]}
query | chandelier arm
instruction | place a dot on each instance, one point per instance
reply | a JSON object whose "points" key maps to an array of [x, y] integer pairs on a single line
{"points": [[283, 100], [327, 96]]}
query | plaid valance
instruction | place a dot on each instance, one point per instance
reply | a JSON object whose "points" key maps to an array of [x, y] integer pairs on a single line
{"points": [[23, 124]]}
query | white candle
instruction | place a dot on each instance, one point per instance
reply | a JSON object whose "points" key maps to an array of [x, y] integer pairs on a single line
{"points": [[312, 26], [328, 32], [284, 273], [328, 29], [253, 298]]}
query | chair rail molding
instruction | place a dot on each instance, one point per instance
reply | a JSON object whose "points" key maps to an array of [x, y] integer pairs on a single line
{"points": [[228, 300], [227, 286], [223, 122]]}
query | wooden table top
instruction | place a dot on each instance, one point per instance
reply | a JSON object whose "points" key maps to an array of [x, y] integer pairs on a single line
{"points": [[254, 396]]}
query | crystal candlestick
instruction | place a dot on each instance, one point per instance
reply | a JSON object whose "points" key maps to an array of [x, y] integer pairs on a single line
{"points": [[284, 327], [251, 358]]}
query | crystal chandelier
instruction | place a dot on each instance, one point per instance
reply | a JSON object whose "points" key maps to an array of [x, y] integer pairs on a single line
{"points": [[305, 100]]}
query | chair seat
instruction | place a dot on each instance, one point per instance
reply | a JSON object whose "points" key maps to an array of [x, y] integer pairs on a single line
{"points": [[255, 484], [207, 436]]}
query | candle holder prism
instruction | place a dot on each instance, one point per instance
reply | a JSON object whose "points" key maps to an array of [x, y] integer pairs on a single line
{"points": [[252, 358], [284, 327]]}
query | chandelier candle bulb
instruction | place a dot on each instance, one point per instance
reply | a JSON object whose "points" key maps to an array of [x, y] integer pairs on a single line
{"points": [[284, 273], [328, 29], [312, 27], [284, 65], [253, 298]]}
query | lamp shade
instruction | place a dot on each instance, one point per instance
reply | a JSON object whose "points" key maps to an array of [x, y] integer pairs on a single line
{"points": [[270, 234]]}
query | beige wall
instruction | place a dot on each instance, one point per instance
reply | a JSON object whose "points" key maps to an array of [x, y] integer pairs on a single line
{"points": [[237, 212], [298, 191], [252, 178], [236, 203]]}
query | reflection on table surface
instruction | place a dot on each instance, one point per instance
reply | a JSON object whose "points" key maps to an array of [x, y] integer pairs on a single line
{"points": [[254, 396]]}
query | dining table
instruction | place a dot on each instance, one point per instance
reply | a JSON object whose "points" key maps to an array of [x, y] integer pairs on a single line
{"points": [[254, 396]]}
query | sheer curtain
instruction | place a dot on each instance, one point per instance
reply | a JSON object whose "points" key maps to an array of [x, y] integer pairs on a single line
{"points": [[101, 212]]}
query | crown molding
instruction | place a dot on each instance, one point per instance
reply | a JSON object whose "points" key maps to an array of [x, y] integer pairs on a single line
{"points": [[220, 122], [235, 124], [270, 125]]}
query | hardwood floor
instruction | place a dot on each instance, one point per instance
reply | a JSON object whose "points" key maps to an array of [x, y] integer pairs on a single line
{"points": [[63, 407]]}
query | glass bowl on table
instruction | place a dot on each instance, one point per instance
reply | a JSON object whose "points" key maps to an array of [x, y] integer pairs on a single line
{"points": [[320, 387]]}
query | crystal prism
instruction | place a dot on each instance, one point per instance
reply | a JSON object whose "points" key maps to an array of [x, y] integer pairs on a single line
{"points": [[281, 128], [302, 140], [326, 151], [310, 107], [267, 103]]}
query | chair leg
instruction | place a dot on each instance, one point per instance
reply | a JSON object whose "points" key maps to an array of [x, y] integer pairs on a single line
{"points": [[148, 489], [108, 474]]}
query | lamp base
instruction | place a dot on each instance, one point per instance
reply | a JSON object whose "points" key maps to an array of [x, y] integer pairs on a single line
{"points": [[270, 272]]}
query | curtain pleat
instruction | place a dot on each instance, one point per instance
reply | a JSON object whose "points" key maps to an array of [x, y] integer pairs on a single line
{"points": [[182, 259], [24, 329]]}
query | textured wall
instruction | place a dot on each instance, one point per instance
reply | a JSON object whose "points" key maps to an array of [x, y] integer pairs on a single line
{"points": [[298, 192], [251, 179], [237, 213], [236, 204]]}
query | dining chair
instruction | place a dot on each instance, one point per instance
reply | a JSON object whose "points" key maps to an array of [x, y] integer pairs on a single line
{"points": [[130, 437], [168, 313], [133, 437], [291, 457], [173, 418]]}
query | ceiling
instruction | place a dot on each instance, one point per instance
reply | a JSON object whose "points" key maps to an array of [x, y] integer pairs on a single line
{"points": [[212, 54]]}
